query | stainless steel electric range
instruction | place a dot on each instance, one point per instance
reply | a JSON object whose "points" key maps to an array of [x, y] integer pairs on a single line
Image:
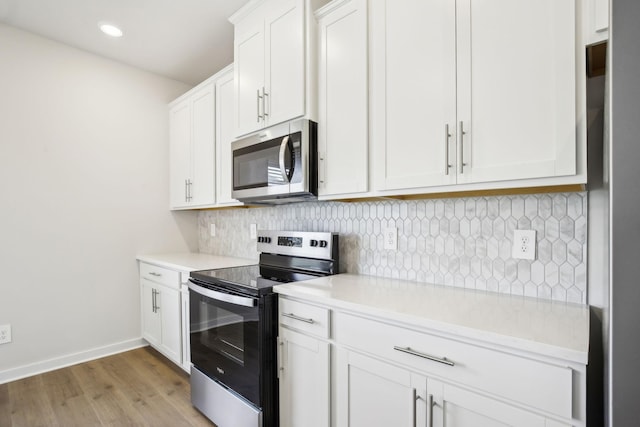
{"points": [[234, 326]]}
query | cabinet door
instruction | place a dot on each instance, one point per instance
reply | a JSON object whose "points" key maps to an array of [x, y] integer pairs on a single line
{"points": [[185, 330], [151, 323], [456, 407], [180, 153], [249, 77], [202, 188], [168, 305], [516, 89], [371, 393], [284, 61], [304, 380], [224, 136], [597, 21], [413, 84], [343, 137]]}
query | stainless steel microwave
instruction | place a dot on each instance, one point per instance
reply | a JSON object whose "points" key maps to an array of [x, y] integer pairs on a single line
{"points": [[277, 165]]}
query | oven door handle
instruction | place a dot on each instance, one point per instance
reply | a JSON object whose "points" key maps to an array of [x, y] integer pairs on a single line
{"points": [[221, 296]]}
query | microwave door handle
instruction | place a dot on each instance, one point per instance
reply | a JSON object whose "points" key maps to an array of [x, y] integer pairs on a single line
{"points": [[221, 296], [286, 177]]}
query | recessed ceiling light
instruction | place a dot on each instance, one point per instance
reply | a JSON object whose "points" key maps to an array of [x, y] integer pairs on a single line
{"points": [[110, 29]]}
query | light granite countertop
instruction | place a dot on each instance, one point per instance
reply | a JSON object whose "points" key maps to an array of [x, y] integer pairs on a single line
{"points": [[187, 262], [554, 329]]}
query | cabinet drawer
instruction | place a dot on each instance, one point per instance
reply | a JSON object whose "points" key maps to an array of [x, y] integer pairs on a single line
{"points": [[161, 275], [304, 317], [540, 385]]}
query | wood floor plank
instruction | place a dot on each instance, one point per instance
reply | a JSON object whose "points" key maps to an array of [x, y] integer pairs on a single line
{"points": [[68, 400], [135, 388], [5, 412], [145, 398], [109, 403], [30, 406], [170, 381]]}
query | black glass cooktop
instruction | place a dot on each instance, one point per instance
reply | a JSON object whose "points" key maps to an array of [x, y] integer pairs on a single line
{"points": [[250, 279], [243, 279]]}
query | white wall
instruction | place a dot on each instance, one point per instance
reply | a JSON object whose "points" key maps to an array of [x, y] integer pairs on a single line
{"points": [[84, 187]]}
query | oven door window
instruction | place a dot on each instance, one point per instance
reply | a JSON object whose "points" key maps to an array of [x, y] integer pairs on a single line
{"points": [[224, 342], [268, 164]]}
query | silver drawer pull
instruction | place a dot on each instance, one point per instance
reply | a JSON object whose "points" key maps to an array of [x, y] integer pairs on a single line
{"points": [[153, 273], [408, 350], [294, 317]]}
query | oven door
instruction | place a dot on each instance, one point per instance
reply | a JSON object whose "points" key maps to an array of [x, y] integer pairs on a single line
{"points": [[225, 338]]}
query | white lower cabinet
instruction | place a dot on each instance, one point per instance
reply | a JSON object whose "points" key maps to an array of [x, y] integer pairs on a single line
{"points": [[371, 393], [347, 369], [161, 319], [304, 380], [303, 364], [161, 308]]}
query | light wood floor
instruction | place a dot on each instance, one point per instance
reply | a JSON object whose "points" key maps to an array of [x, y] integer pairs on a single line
{"points": [[135, 388]]}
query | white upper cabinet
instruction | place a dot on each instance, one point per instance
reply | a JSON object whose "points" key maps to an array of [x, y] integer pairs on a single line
{"points": [[485, 105], [192, 149], [201, 131], [516, 89], [269, 57], [413, 79], [343, 145], [180, 153], [596, 19], [224, 137]]}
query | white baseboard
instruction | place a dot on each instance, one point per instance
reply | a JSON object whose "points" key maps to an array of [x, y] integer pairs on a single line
{"points": [[69, 360]]}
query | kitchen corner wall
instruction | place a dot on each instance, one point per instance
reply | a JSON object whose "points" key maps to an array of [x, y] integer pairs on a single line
{"points": [[464, 242]]}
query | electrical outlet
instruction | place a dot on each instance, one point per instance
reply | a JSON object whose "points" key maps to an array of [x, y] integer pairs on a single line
{"points": [[524, 244], [391, 238], [253, 231], [5, 334], [212, 230]]}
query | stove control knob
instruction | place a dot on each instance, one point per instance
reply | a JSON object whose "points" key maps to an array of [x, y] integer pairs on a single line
{"points": [[267, 239], [260, 239], [323, 243], [314, 243]]}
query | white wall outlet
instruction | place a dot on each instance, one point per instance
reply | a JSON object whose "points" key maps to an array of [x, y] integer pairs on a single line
{"points": [[5, 334], [253, 231], [524, 244], [391, 238], [212, 230]]}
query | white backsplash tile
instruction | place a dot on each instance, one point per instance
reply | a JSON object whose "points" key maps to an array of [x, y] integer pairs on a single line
{"points": [[464, 242]]}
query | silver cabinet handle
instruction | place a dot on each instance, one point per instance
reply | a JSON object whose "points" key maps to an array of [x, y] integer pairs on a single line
{"points": [[153, 273], [321, 177], [462, 134], [415, 407], [264, 103], [258, 98], [154, 308], [447, 135], [302, 319], [408, 350], [186, 190], [190, 187], [430, 410], [280, 350]]}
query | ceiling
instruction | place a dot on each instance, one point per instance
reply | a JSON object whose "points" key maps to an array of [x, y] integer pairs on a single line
{"points": [[185, 40]]}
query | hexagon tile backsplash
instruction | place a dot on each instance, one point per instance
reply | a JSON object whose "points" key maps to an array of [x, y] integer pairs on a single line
{"points": [[464, 242]]}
